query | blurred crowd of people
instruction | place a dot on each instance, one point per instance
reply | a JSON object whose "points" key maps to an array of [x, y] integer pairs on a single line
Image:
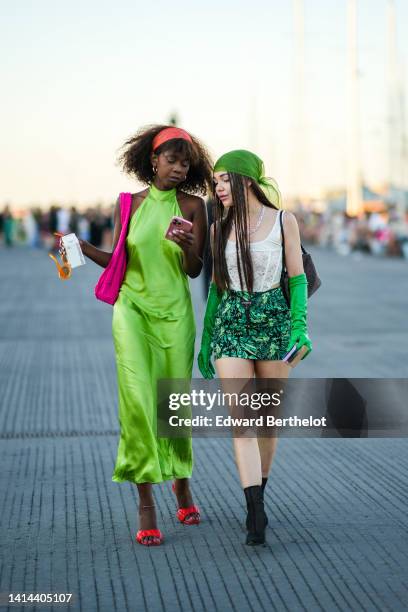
{"points": [[377, 233], [36, 227]]}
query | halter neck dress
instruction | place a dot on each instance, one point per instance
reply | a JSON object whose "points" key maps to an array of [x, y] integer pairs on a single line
{"points": [[154, 332]]}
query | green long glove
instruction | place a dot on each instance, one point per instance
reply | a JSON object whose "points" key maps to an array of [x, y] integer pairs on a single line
{"points": [[204, 356], [298, 312]]}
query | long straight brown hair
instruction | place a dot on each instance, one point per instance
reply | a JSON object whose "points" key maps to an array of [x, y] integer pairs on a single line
{"points": [[237, 214]]}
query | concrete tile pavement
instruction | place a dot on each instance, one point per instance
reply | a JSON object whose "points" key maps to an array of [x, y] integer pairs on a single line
{"points": [[337, 536]]}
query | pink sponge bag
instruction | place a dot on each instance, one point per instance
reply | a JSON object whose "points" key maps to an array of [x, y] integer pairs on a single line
{"points": [[108, 285]]}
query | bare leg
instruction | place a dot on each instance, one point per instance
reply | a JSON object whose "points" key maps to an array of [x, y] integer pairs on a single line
{"points": [[267, 449], [267, 446], [184, 497], [248, 461], [147, 511], [246, 449]]}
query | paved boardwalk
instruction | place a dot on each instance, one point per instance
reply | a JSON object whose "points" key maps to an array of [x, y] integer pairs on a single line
{"points": [[338, 527]]}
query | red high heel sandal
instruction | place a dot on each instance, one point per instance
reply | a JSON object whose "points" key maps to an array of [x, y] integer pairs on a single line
{"points": [[183, 513], [156, 534]]}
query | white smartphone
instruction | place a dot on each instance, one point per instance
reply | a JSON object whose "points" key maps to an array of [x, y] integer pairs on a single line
{"points": [[73, 250]]}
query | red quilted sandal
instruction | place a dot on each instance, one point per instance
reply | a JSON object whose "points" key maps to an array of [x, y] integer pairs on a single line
{"points": [[186, 515], [155, 537], [183, 515]]}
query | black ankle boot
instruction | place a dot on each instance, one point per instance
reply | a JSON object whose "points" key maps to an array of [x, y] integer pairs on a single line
{"points": [[263, 485], [256, 518]]}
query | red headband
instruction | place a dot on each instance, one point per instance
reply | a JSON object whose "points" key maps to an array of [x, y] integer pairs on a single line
{"points": [[168, 134]]}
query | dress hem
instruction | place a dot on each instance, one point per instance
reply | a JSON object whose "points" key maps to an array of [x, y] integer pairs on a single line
{"points": [[164, 479]]}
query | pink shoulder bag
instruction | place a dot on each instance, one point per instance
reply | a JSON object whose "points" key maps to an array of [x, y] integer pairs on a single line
{"points": [[108, 285]]}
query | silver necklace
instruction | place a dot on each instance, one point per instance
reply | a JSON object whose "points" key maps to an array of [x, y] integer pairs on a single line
{"points": [[258, 222]]}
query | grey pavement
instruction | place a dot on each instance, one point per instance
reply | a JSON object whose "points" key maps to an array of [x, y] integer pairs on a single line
{"points": [[338, 527]]}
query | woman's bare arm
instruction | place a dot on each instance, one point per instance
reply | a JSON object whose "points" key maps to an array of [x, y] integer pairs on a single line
{"points": [[102, 258], [193, 258], [293, 251]]}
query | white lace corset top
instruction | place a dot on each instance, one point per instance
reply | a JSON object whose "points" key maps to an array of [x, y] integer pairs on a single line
{"points": [[266, 260]]}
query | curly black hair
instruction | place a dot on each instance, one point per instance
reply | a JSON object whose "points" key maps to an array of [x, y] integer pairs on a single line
{"points": [[135, 158]]}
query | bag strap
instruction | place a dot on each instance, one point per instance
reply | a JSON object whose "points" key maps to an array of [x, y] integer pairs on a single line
{"points": [[125, 201], [283, 240]]}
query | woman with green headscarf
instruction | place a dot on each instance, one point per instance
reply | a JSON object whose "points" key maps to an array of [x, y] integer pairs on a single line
{"points": [[248, 326]]}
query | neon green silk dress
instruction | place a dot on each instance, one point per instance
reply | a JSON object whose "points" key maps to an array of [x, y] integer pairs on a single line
{"points": [[153, 332]]}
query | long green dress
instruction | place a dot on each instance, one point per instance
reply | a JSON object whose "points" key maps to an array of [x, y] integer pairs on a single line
{"points": [[153, 331]]}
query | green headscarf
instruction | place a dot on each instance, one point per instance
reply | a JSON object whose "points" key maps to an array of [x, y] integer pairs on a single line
{"points": [[248, 164]]}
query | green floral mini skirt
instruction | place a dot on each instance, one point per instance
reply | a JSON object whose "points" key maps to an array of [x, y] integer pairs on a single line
{"points": [[252, 325]]}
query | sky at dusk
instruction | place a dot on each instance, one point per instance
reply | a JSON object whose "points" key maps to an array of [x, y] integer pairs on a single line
{"points": [[78, 78]]}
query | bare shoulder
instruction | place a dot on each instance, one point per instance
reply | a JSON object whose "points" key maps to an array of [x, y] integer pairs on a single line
{"points": [[137, 199], [291, 227], [289, 220], [140, 195], [193, 201]]}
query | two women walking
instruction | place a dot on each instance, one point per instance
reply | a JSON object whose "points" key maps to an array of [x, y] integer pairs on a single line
{"points": [[248, 326]]}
